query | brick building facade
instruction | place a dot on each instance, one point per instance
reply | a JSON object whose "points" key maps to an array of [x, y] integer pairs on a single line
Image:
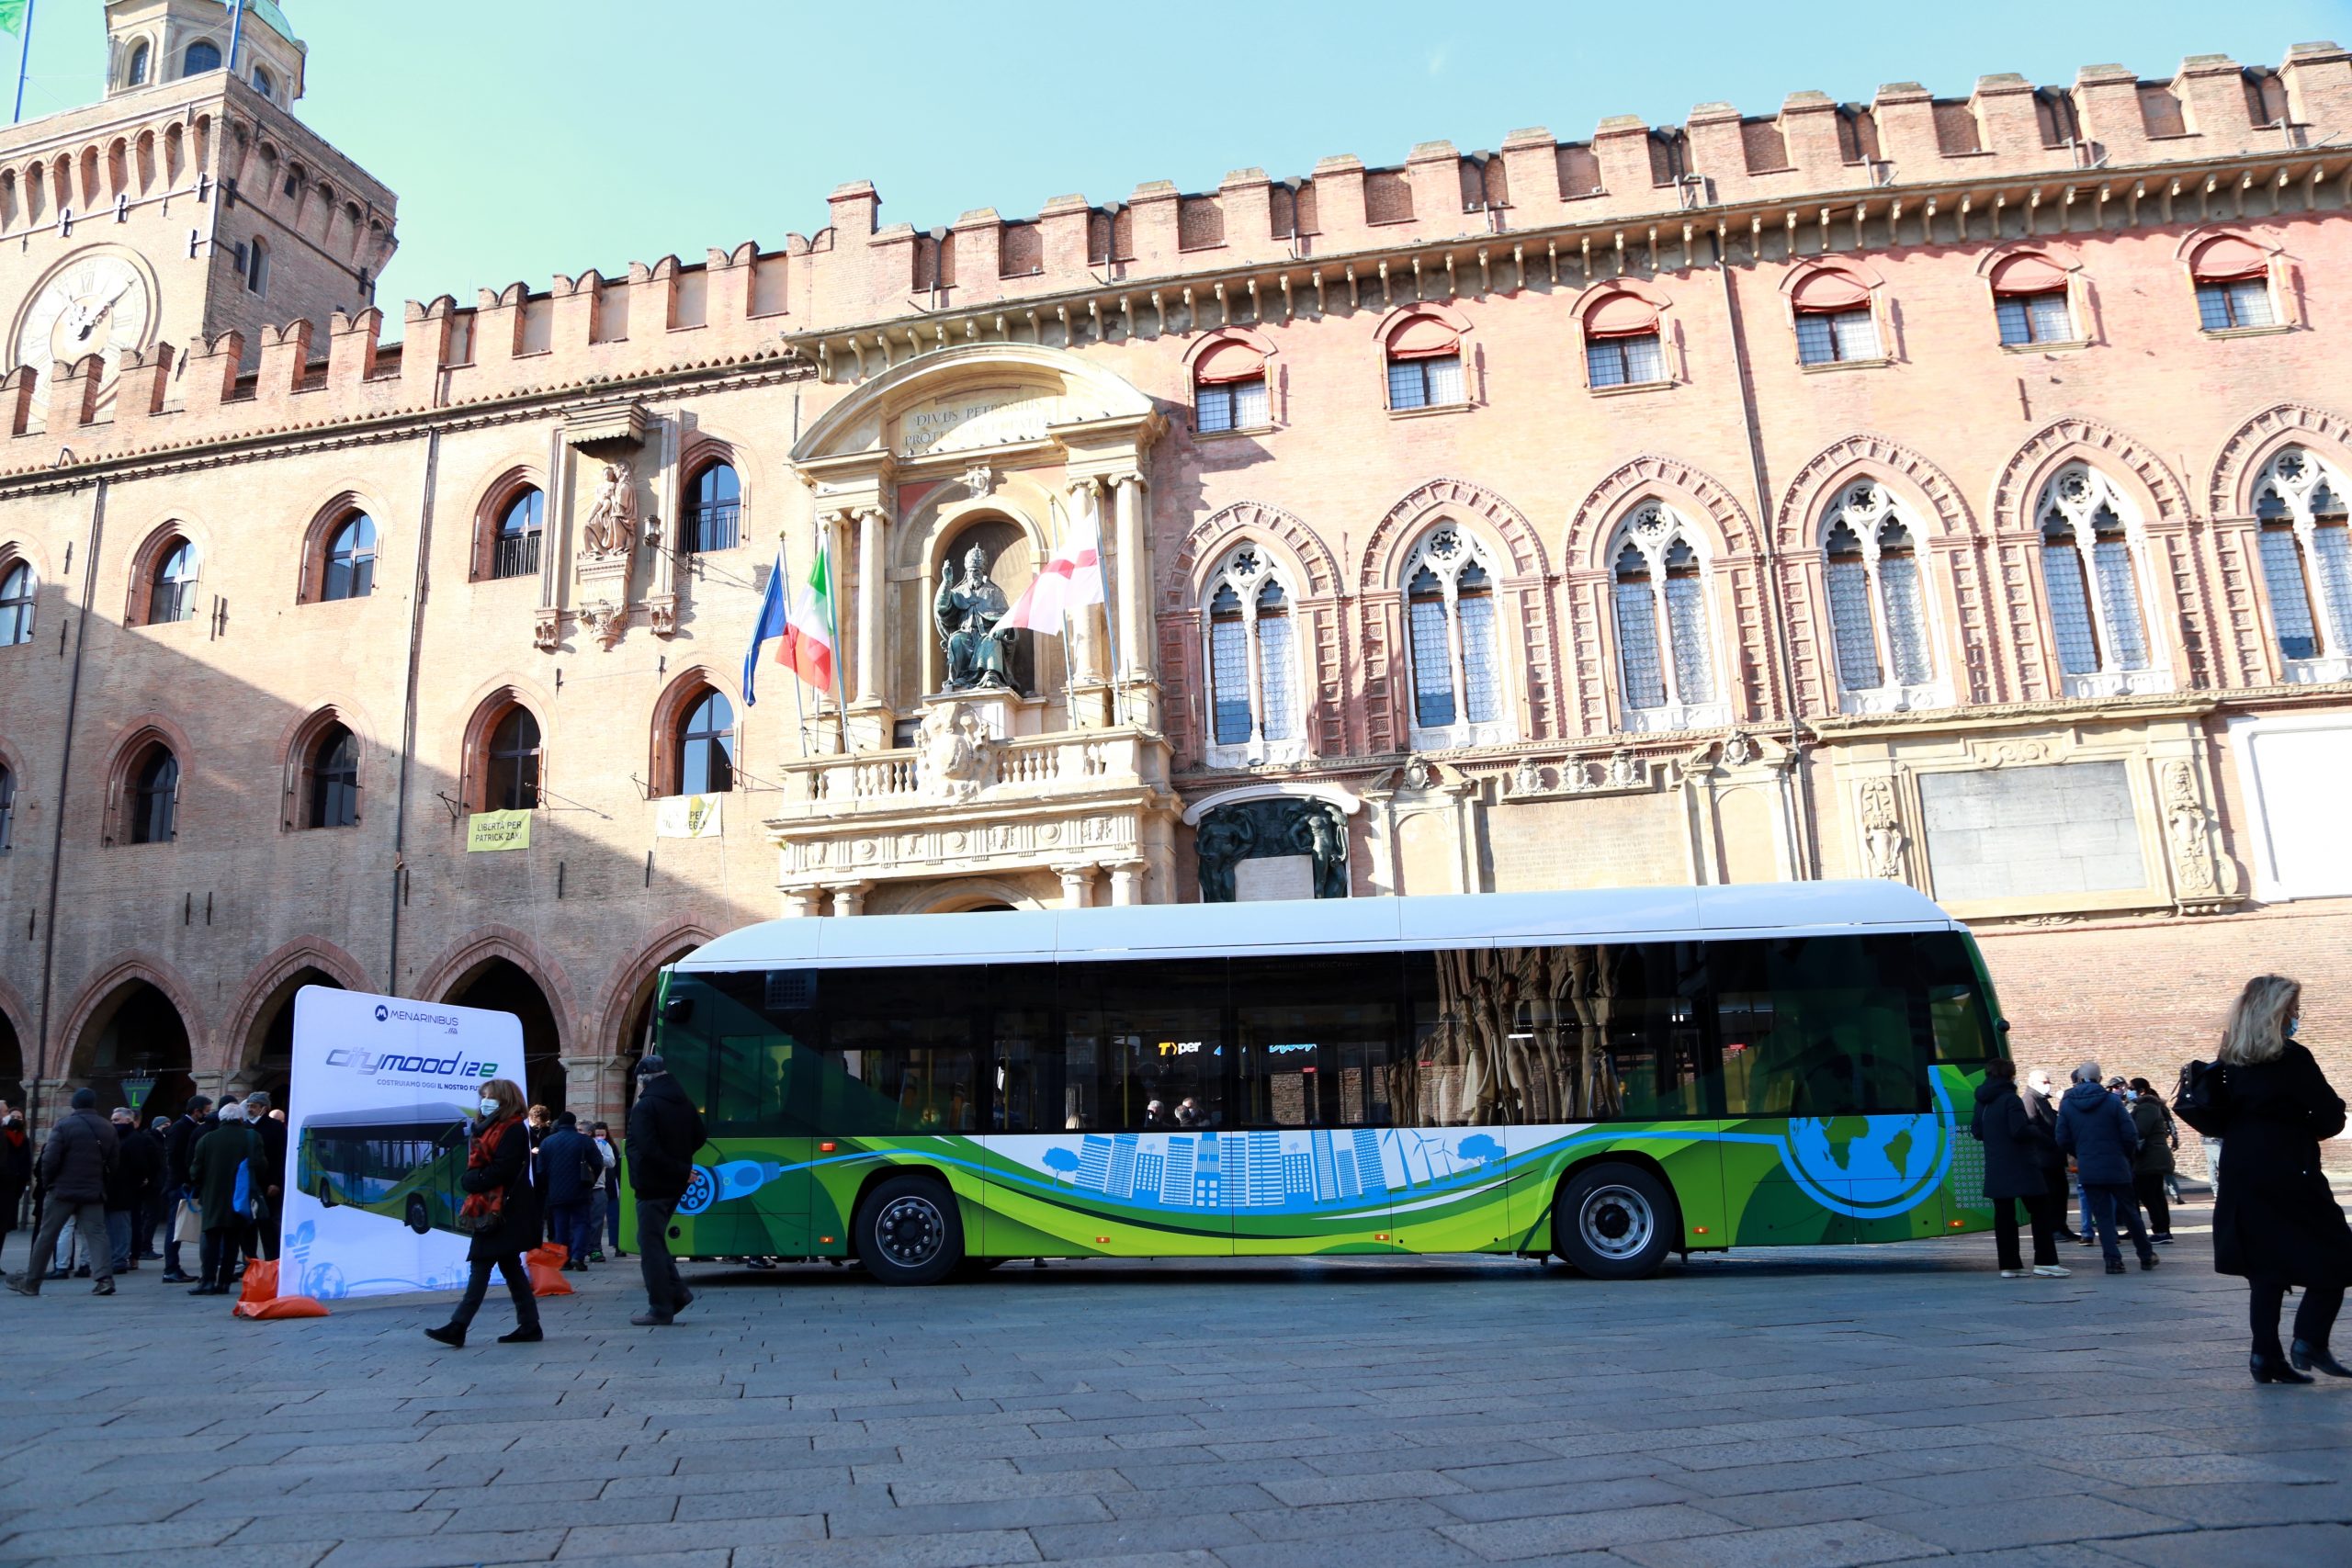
{"points": [[1945, 489]]}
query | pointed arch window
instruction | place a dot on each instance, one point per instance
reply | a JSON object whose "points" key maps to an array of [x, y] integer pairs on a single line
{"points": [[1253, 663], [334, 779], [1877, 602], [510, 770], [1450, 635], [516, 551], [172, 596], [714, 510], [706, 747], [2301, 504], [2090, 566], [155, 803], [351, 559], [17, 588], [1666, 661]]}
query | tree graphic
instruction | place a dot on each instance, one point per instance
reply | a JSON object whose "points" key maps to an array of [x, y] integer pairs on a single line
{"points": [[1480, 1148], [1063, 1161]]}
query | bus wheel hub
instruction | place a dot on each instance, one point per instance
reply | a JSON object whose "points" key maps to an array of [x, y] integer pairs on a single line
{"points": [[911, 1230], [1616, 1221]]}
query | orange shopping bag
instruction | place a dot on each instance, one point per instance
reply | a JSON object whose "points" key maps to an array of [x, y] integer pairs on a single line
{"points": [[546, 1264], [260, 1298]]}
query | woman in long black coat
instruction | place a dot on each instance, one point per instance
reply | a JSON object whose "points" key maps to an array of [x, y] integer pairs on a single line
{"points": [[2276, 1223], [2013, 1157], [502, 1202]]}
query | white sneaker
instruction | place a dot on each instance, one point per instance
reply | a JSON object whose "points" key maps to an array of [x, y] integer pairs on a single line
{"points": [[2053, 1271], [2012, 1273]]}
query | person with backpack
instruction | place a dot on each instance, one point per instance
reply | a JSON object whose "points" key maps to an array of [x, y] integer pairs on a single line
{"points": [[74, 1168], [501, 1214], [570, 1166], [224, 1178], [2097, 1130], [2276, 1222], [2151, 1167]]}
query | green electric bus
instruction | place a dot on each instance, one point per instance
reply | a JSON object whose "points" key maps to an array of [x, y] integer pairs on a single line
{"points": [[1610, 1077], [402, 1162]]}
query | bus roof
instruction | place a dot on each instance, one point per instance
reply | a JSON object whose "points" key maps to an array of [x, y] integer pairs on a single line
{"points": [[391, 1116], [1485, 919]]}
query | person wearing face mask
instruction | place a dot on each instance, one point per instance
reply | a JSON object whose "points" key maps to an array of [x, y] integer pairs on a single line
{"points": [[500, 1212], [16, 1168], [2276, 1222], [604, 1207]]}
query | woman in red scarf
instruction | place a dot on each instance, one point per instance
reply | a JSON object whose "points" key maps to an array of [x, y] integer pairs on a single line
{"points": [[500, 1212], [15, 1167]]}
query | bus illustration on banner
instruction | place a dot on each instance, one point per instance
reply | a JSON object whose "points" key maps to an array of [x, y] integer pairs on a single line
{"points": [[401, 1163]]}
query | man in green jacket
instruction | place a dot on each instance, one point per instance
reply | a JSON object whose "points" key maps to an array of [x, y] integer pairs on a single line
{"points": [[231, 1150]]}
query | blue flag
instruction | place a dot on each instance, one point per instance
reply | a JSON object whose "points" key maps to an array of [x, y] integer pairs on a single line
{"points": [[773, 623]]}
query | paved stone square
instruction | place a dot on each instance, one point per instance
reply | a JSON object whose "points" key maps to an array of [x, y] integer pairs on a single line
{"points": [[1807, 1409]]}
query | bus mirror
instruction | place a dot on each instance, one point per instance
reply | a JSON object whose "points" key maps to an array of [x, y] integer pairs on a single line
{"points": [[677, 1010], [2003, 1026]]}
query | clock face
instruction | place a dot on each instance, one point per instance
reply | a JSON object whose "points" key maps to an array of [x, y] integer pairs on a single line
{"points": [[100, 305]]}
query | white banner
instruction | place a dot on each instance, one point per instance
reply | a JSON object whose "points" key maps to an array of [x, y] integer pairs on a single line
{"points": [[383, 1087], [687, 816]]}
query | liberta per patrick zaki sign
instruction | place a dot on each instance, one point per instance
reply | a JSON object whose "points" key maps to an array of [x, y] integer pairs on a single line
{"points": [[382, 1093]]}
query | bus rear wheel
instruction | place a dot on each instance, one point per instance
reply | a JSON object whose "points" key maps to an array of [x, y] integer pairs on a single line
{"points": [[419, 1220], [1614, 1221], [909, 1232]]}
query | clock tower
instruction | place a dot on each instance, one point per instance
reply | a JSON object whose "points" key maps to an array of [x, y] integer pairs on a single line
{"points": [[187, 203]]}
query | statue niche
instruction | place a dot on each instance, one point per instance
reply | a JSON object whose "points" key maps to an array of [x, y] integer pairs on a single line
{"points": [[982, 654], [1286, 824]]}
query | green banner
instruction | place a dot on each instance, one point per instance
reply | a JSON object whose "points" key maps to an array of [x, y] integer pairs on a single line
{"points": [[12, 16], [492, 831]]}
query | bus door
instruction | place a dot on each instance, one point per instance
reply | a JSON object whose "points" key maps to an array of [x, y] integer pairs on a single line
{"points": [[1314, 1041], [741, 1044]]}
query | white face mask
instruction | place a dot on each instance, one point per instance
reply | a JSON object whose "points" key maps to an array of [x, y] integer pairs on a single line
{"points": [[489, 1108]]}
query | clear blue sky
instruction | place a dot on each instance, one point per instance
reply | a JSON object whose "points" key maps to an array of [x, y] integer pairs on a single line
{"points": [[531, 136]]}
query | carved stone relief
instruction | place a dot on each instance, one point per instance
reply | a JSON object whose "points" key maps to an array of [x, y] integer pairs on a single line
{"points": [[957, 752], [2204, 876], [1251, 829], [1881, 828]]}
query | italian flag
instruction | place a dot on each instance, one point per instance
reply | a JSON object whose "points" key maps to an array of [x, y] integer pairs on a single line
{"points": [[805, 636]]}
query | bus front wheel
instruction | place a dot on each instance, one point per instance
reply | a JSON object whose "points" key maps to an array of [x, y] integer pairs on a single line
{"points": [[1614, 1221], [419, 1220], [909, 1232]]}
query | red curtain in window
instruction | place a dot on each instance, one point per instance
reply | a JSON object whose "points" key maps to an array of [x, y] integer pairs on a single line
{"points": [[1824, 289], [1621, 315], [1423, 337], [1231, 360], [2219, 261], [2029, 275]]}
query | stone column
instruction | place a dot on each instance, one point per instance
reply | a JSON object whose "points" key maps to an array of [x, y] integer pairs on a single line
{"points": [[801, 902], [1127, 882], [872, 523], [1078, 886], [849, 898], [1135, 625]]}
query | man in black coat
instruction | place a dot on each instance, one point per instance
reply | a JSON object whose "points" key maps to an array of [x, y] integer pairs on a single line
{"points": [[665, 1132], [569, 1167], [75, 1165], [273, 1169], [138, 1167], [195, 1119], [2097, 1130]]}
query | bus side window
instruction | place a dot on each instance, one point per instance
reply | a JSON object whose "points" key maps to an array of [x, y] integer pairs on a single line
{"points": [[1819, 1026], [898, 1056], [1316, 1037], [731, 1053], [1958, 1011], [1134, 1034]]}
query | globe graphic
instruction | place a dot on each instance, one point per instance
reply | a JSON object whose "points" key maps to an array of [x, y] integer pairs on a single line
{"points": [[1876, 1162], [324, 1282]]}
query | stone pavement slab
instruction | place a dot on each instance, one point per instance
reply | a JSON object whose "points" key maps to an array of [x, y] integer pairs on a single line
{"points": [[1814, 1408]]}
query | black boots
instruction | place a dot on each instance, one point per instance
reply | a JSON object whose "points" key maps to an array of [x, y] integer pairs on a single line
{"points": [[2307, 1357], [2271, 1369], [449, 1333], [528, 1334]]}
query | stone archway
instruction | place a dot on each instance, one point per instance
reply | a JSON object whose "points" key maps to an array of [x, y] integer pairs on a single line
{"points": [[500, 984], [134, 1046], [12, 1062], [265, 1057]]}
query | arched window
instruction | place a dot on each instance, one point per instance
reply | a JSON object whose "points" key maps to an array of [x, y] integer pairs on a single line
{"points": [[1254, 662], [516, 552], [706, 747], [1622, 342], [2300, 503], [202, 55], [1835, 322], [136, 76], [2030, 301], [511, 768], [16, 604], [155, 804], [172, 595], [1450, 634], [263, 82], [1424, 353], [714, 510], [1877, 604], [1665, 652], [7, 805], [1229, 387], [2232, 278], [351, 559], [2088, 565], [334, 779], [257, 267]]}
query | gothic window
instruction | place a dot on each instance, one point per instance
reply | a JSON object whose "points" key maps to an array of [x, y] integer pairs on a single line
{"points": [[510, 767], [154, 801], [1665, 657], [7, 804], [2300, 503], [2232, 277], [1254, 662], [516, 551], [350, 559], [1877, 602], [714, 510], [16, 604], [202, 55], [136, 76], [2030, 301], [2091, 571], [1424, 357], [1622, 342], [257, 267], [334, 781], [1450, 635], [172, 593], [1835, 320], [706, 747], [1229, 387]]}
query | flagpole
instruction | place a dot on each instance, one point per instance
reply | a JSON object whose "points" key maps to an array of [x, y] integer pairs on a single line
{"points": [[784, 566], [24, 58], [236, 32], [1110, 619], [833, 624]]}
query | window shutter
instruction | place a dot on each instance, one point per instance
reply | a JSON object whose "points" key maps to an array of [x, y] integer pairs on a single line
{"points": [[1825, 290], [1621, 315], [1232, 360], [2227, 258], [1423, 337]]}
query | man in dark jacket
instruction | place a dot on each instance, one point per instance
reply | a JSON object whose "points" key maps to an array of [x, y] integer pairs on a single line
{"points": [[569, 1167], [665, 1132], [179, 1147], [138, 1165], [2094, 1126], [272, 1173], [75, 1165]]}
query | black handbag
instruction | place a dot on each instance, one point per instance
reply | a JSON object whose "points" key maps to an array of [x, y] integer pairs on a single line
{"points": [[2199, 1098]]}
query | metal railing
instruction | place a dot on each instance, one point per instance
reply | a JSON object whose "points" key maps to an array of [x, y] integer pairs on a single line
{"points": [[515, 555], [713, 527]]}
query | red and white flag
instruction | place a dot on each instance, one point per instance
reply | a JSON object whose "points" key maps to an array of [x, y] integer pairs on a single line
{"points": [[1071, 580]]}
